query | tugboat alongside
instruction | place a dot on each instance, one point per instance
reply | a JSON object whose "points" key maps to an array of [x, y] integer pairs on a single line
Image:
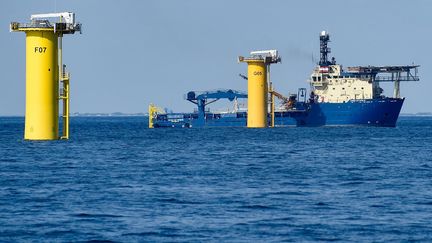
{"points": [[337, 97]]}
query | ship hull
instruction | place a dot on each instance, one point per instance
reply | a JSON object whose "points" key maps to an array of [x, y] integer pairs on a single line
{"points": [[370, 112]]}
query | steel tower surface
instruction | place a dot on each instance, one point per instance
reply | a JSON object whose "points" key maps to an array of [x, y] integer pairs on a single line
{"points": [[45, 74]]}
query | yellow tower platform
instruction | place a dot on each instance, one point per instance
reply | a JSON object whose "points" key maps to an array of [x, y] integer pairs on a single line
{"points": [[45, 74], [258, 77]]}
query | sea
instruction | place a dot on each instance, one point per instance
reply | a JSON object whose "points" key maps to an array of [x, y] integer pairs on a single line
{"points": [[115, 180]]}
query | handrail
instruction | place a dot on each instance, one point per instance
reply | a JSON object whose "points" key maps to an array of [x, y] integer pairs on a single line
{"points": [[394, 79]]}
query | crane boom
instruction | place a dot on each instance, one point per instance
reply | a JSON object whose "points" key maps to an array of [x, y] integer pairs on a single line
{"points": [[278, 95]]}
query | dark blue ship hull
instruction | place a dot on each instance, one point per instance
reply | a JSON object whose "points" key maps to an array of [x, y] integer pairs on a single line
{"points": [[369, 112], [374, 112]]}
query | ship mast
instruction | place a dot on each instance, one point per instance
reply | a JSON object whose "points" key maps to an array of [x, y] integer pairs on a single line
{"points": [[324, 50]]}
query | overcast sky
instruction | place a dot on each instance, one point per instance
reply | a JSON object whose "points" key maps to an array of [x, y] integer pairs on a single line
{"points": [[132, 53]]}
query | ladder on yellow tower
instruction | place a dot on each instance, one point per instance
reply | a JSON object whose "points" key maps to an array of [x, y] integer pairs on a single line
{"points": [[64, 97], [46, 81]]}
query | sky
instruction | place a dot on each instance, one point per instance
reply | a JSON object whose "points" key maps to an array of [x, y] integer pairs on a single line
{"points": [[132, 53]]}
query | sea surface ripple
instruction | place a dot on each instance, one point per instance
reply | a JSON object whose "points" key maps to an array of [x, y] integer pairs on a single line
{"points": [[115, 180]]}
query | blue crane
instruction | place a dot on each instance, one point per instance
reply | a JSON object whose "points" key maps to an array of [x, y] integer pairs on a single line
{"points": [[201, 99]]}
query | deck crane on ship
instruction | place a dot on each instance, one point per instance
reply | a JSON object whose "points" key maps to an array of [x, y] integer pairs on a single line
{"points": [[337, 96]]}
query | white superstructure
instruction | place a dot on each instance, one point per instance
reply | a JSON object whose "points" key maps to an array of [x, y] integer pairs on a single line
{"points": [[331, 84]]}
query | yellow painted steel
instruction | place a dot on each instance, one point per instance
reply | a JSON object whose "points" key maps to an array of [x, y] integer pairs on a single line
{"points": [[272, 106], [45, 74], [65, 98], [152, 112], [257, 93], [41, 119]]}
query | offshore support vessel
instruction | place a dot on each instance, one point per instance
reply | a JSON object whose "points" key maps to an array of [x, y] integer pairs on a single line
{"points": [[337, 97]]}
